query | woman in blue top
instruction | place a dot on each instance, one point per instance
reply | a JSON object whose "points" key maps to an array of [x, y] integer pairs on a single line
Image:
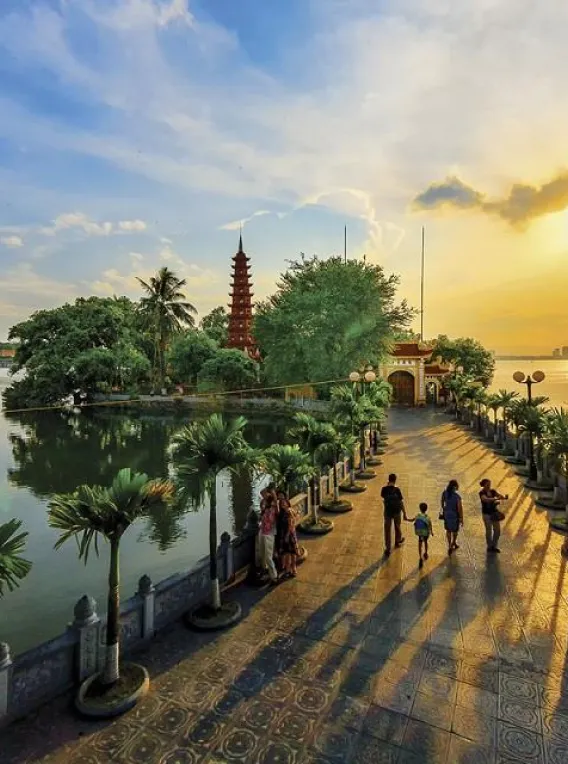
{"points": [[452, 512]]}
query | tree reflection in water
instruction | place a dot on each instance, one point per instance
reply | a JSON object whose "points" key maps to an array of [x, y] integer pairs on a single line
{"points": [[54, 452]]}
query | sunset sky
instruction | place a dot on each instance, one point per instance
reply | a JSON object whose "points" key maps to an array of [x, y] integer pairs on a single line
{"points": [[140, 133]]}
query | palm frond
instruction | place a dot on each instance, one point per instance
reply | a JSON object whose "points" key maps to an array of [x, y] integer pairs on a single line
{"points": [[13, 567]]}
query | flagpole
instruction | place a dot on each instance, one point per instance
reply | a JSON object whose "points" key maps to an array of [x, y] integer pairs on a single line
{"points": [[422, 291], [345, 244]]}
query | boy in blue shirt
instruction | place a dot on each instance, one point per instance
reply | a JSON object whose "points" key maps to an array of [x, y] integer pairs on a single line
{"points": [[423, 529]]}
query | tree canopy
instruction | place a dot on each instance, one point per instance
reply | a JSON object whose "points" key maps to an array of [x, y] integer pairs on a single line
{"points": [[92, 344], [466, 354], [188, 353], [228, 369], [326, 318], [216, 325]]}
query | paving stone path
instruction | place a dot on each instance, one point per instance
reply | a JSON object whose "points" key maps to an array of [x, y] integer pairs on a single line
{"points": [[362, 659]]}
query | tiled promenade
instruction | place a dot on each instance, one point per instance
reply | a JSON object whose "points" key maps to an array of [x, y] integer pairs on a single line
{"points": [[362, 659]]}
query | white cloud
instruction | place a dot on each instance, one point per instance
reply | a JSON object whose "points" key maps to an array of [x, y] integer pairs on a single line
{"points": [[235, 225], [132, 225], [78, 220], [13, 242]]}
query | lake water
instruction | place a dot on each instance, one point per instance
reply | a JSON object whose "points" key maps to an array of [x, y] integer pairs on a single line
{"points": [[554, 386], [43, 454]]}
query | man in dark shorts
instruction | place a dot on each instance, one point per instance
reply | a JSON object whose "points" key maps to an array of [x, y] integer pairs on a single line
{"points": [[394, 511]]}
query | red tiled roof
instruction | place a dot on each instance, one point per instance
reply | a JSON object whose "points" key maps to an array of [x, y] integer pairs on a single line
{"points": [[7, 352], [410, 350]]}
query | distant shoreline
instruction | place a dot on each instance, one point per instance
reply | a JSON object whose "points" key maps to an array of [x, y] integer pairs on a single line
{"points": [[530, 358]]}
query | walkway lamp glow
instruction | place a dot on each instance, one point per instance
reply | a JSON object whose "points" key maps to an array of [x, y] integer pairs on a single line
{"points": [[530, 380]]}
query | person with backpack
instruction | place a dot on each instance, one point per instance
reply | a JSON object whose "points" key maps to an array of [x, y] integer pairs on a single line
{"points": [[452, 514], [423, 529], [394, 509]]}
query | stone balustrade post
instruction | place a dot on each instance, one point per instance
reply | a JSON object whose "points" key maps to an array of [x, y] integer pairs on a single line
{"points": [[227, 556], [5, 679], [87, 626], [147, 594]]}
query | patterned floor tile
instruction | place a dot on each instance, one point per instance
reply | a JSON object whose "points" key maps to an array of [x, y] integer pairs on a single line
{"points": [[395, 697], [477, 699], [335, 743], [279, 752], [239, 744], [518, 689], [385, 725], [438, 685], [464, 751], [520, 743], [423, 739], [475, 726], [433, 710], [370, 750], [525, 715], [556, 751], [346, 711]]}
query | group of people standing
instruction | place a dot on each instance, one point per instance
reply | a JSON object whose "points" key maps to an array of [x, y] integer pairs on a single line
{"points": [[277, 542], [451, 513]]}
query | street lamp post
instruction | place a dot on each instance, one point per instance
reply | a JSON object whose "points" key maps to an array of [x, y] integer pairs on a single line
{"points": [[529, 381], [359, 379]]}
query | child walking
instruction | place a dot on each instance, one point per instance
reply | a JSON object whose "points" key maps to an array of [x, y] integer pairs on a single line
{"points": [[423, 529]]}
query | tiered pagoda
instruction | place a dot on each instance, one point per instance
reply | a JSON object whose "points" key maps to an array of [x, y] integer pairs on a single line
{"points": [[240, 318]]}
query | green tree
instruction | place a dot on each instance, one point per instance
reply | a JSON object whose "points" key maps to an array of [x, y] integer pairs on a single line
{"points": [[312, 437], [202, 451], [338, 445], [187, 355], [93, 511], [13, 567], [506, 398], [216, 325], [228, 369], [166, 312], [468, 356], [288, 466], [326, 318], [98, 337]]}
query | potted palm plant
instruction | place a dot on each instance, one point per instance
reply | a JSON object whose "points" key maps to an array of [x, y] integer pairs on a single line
{"points": [[556, 440], [202, 451], [311, 435], [338, 445], [87, 514], [345, 407], [13, 567]]}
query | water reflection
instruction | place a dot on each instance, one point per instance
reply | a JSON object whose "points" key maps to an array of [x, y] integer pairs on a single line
{"points": [[51, 452]]}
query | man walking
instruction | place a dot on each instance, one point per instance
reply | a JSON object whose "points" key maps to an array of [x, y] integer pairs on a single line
{"points": [[394, 509]]}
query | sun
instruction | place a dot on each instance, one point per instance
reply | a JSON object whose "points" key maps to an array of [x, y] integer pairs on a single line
{"points": [[551, 232]]}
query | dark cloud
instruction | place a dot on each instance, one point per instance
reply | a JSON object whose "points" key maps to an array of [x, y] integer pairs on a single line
{"points": [[519, 207], [452, 192]]}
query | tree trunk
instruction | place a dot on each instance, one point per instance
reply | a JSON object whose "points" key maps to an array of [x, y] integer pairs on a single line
{"points": [[213, 573], [111, 671], [335, 482]]}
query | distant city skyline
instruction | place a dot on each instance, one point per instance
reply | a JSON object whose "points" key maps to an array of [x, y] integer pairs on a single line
{"points": [[142, 133]]}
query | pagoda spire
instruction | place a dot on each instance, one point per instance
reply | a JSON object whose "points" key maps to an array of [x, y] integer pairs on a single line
{"points": [[240, 317]]}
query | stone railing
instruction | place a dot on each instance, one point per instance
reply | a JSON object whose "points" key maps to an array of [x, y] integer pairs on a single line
{"points": [[54, 667]]}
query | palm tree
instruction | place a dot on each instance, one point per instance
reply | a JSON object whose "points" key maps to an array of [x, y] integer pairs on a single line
{"points": [[166, 311], [311, 436], [506, 398], [204, 450], [93, 511], [288, 466], [13, 567], [354, 412], [338, 445], [556, 439]]}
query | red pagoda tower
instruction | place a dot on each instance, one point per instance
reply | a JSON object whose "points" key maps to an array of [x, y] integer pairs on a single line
{"points": [[240, 318]]}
